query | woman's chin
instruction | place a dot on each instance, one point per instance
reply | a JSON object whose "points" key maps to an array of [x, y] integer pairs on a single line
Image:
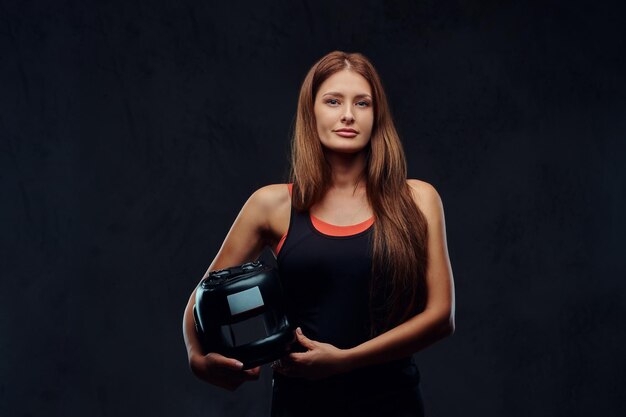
{"points": [[344, 148], [344, 151]]}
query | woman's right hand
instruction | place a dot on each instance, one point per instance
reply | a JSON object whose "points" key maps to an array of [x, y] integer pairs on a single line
{"points": [[221, 371], [244, 242]]}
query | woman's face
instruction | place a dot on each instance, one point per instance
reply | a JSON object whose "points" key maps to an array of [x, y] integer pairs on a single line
{"points": [[344, 101]]}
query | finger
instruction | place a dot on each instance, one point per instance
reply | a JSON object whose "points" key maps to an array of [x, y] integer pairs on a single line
{"points": [[253, 371], [238, 377], [223, 361], [253, 374], [296, 357], [303, 340], [289, 360]]}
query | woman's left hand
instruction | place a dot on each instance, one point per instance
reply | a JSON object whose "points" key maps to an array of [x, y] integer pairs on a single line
{"points": [[321, 360]]}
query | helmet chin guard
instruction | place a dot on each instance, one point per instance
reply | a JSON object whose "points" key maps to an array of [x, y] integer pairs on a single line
{"points": [[239, 313]]}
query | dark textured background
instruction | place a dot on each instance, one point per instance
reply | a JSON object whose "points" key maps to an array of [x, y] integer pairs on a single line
{"points": [[133, 132]]}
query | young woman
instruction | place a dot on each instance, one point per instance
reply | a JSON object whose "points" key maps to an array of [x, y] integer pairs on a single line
{"points": [[361, 251]]}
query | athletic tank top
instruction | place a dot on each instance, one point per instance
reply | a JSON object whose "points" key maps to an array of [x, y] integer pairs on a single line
{"points": [[325, 273]]}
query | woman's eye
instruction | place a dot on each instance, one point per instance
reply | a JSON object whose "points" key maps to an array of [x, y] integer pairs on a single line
{"points": [[334, 101]]}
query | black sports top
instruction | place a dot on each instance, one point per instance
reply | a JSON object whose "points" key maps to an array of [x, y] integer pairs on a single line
{"points": [[326, 279], [325, 272]]}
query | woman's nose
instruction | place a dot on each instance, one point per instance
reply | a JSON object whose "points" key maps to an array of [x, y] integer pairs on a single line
{"points": [[347, 117]]}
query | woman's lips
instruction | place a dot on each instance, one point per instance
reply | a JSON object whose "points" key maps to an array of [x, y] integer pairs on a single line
{"points": [[345, 134]]}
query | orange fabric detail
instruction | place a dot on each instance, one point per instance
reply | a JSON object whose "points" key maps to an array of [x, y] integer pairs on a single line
{"points": [[280, 243], [330, 229], [334, 230]]}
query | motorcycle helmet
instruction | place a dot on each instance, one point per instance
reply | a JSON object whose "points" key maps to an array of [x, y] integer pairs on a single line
{"points": [[239, 312]]}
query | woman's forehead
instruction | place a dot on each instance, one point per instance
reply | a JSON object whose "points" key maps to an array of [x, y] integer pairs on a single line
{"points": [[345, 83]]}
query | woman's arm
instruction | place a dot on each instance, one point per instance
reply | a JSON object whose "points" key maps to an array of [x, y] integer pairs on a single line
{"points": [[243, 243], [437, 319]]}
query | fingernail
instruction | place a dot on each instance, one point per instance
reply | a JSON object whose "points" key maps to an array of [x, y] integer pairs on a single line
{"points": [[299, 330], [239, 364]]}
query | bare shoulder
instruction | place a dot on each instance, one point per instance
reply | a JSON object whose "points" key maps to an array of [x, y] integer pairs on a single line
{"points": [[252, 229], [426, 198], [271, 196], [275, 203]]}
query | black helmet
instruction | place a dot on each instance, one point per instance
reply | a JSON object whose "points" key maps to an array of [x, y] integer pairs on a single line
{"points": [[239, 313]]}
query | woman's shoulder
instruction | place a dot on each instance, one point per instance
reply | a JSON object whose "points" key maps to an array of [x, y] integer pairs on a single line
{"points": [[272, 196], [275, 203], [422, 188], [425, 196]]}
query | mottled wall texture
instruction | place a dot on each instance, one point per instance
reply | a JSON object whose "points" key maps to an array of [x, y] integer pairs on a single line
{"points": [[132, 132]]}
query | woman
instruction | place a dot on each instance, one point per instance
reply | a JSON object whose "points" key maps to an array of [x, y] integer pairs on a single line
{"points": [[361, 251]]}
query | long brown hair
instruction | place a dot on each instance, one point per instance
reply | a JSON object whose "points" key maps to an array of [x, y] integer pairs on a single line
{"points": [[399, 239]]}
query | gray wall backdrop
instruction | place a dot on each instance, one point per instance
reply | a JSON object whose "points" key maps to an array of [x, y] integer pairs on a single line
{"points": [[133, 132]]}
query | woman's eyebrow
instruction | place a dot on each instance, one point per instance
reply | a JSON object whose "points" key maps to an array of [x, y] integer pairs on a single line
{"points": [[335, 93]]}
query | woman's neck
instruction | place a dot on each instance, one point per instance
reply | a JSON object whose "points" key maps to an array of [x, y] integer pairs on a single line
{"points": [[346, 170]]}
